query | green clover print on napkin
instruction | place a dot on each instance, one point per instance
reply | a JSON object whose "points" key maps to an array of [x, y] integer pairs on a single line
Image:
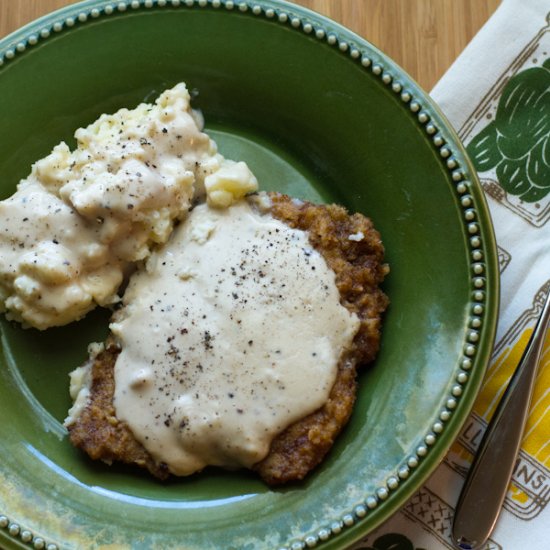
{"points": [[517, 141]]}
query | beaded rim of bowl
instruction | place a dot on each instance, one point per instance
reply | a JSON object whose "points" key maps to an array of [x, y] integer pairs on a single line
{"points": [[321, 28]]}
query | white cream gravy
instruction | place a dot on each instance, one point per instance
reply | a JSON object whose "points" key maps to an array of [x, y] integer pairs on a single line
{"points": [[232, 333]]}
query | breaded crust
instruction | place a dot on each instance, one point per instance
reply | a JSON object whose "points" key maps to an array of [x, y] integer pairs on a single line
{"points": [[98, 432], [358, 264]]}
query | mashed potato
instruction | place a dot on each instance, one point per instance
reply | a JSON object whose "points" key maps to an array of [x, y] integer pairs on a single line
{"points": [[83, 217]]}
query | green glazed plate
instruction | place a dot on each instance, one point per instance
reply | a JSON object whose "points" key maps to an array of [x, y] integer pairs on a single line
{"points": [[319, 113]]}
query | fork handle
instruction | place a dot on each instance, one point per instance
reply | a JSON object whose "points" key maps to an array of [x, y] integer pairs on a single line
{"points": [[483, 493]]}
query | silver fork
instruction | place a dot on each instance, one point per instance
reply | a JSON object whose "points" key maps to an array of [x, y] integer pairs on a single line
{"points": [[483, 493]]}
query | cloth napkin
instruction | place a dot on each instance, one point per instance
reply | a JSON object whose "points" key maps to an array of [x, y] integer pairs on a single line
{"points": [[497, 96]]}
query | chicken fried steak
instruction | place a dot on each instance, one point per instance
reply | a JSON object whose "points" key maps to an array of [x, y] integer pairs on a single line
{"points": [[353, 250]]}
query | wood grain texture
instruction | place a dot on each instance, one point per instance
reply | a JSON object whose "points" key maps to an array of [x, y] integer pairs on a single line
{"points": [[423, 36]]}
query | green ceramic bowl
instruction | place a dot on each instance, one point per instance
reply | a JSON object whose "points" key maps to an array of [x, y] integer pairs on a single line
{"points": [[317, 112]]}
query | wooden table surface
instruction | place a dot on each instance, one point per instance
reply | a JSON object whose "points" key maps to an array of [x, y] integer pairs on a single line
{"points": [[423, 36]]}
